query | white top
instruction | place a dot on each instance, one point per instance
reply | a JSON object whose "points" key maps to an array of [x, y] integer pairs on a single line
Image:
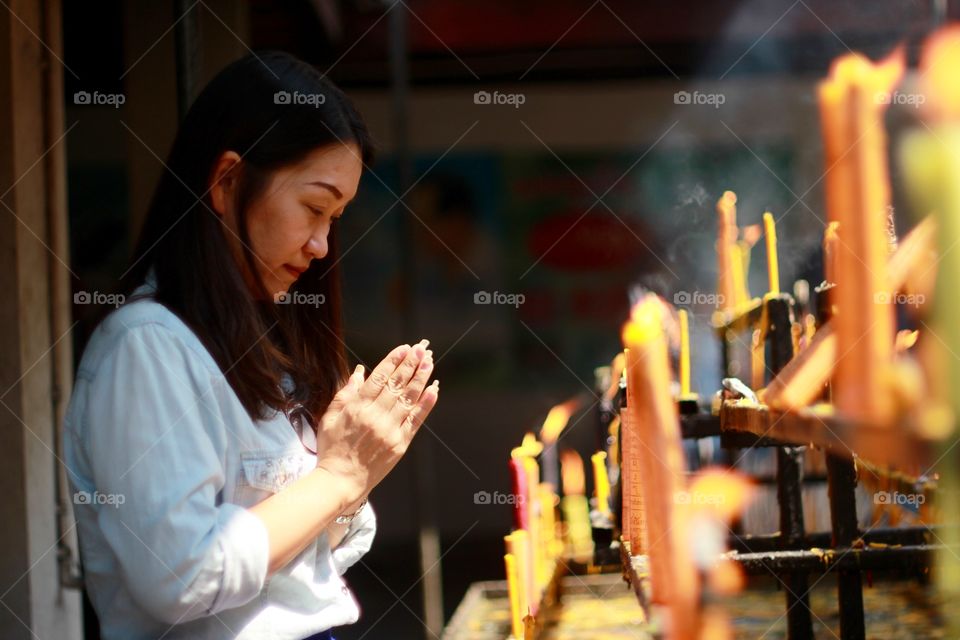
{"points": [[163, 461]]}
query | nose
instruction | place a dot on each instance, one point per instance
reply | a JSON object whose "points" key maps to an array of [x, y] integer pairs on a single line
{"points": [[317, 244]]}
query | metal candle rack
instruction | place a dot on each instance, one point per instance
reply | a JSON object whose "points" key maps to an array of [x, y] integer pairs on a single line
{"points": [[794, 554]]}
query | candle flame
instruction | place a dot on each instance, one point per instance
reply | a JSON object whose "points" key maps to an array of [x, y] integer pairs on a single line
{"points": [[724, 494], [905, 340], [571, 471], [557, 419], [939, 62], [529, 447], [855, 69], [646, 321]]}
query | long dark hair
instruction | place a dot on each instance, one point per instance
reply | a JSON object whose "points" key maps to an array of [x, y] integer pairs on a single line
{"points": [[252, 108]]}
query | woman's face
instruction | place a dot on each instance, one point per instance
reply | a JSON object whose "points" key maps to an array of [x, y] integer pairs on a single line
{"points": [[288, 223]]}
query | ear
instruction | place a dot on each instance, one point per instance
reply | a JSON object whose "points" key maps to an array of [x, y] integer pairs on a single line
{"points": [[223, 182]]}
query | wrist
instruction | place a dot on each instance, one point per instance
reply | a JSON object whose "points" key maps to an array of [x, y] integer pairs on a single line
{"points": [[347, 494]]}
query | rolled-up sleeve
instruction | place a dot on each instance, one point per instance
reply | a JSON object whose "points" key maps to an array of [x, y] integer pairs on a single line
{"points": [[357, 541], [156, 443]]}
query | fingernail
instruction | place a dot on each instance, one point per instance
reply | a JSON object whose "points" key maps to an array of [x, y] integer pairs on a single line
{"points": [[359, 370], [425, 343]]}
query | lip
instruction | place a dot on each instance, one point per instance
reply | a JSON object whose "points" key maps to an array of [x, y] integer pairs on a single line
{"points": [[294, 271]]}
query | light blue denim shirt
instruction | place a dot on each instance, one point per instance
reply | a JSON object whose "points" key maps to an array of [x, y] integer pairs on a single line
{"points": [[163, 462]]}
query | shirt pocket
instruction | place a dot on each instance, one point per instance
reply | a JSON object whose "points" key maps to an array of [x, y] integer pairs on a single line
{"points": [[265, 473]]}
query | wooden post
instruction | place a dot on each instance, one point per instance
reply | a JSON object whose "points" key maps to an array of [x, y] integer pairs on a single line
{"points": [[35, 368]]}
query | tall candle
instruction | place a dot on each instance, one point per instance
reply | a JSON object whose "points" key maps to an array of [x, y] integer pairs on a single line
{"points": [[521, 493], [852, 106], [655, 415], [773, 263], [601, 481], [576, 509], [684, 354], [726, 241], [931, 161], [513, 592], [557, 418], [518, 545]]}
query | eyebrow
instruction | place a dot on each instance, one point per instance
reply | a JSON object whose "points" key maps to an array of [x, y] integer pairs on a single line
{"points": [[332, 188]]}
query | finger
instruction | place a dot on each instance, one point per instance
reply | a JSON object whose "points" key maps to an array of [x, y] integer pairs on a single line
{"points": [[348, 390], [377, 379], [409, 397], [401, 376], [424, 406]]}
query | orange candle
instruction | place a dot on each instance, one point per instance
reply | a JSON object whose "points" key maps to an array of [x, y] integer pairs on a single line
{"points": [[654, 418], [858, 198], [728, 264]]}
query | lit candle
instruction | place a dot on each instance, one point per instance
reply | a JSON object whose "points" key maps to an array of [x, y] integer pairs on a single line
{"points": [[773, 264], [576, 509], [513, 591], [518, 478], [858, 197], [601, 481], [726, 241], [553, 426], [654, 416]]}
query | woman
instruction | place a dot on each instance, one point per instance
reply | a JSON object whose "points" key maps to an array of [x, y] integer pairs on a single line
{"points": [[219, 453]]}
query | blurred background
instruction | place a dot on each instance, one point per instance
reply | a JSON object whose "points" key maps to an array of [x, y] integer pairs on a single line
{"points": [[538, 161]]}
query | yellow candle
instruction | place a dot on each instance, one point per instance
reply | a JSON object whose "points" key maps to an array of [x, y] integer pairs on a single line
{"points": [[738, 279], [576, 509], [601, 481], [773, 265], [684, 354], [533, 481], [518, 546], [513, 589]]}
